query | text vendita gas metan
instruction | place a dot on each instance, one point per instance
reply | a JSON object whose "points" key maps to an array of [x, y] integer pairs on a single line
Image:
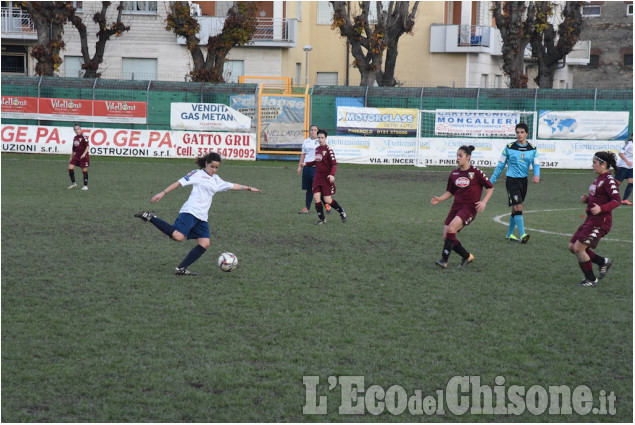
{"points": [[462, 395]]}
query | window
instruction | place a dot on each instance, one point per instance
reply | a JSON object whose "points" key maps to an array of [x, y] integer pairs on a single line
{"points": [[222, 7], [326, 78], [73, 66], [484, 80], [139, 69], [324, 13], [140, 7], [79, 6], [594, 61], [592, 10], [233, 69], [497, 81], [14, 63], [628, 60], [298, 13], [629, 9]]}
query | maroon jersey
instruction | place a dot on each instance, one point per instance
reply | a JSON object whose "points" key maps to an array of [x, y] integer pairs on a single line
{"points": [[325, 163], [80, 144], [467, 186], [605, 193]]}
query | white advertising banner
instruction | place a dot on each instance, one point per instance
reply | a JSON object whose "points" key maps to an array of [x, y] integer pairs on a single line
{"points": [[127, 142], [376, 121], [207, 117], [442, 151], [583, 125], [470, 123], [551, 153]]}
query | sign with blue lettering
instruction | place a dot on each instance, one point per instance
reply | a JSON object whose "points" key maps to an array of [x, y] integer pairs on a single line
{"points": [[207, 117]]}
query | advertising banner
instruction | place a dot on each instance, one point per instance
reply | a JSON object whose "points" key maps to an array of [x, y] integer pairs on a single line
{"points": [[282, 122], [83, 110], [454, 122], [583, 125], [126, 142], [207, 117], [18, 107], [376, 121]]}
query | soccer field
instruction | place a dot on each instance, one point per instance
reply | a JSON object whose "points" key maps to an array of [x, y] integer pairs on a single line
{"points": [[96, 327]]}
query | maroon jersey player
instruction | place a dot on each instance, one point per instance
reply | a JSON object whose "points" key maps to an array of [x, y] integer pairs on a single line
{"points": [[79, 157], [324, 180], [603, 198], [466, 184]]}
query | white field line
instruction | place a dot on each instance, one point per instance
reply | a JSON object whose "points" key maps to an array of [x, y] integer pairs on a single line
{"points": [[498, 219]]}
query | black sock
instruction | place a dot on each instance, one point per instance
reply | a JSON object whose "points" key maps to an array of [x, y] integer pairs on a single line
{"points": [[320, 210], [71, 173], [337, 206], [166, 228], [192, 256], [307, 199], [86, 178], [447, 249], [595, 259], [458, 248], [587, 269]]}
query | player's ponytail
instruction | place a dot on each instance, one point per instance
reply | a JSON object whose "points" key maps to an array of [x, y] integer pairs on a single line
{"points": [[202, 161], [467, 149], [608, 158]]}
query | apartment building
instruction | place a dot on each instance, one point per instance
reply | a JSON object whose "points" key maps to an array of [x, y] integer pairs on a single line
{"points": [[454, 44]]}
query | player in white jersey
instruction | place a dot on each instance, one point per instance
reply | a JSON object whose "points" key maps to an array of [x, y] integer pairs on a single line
{"points": [[625, 169], [192, 222]]}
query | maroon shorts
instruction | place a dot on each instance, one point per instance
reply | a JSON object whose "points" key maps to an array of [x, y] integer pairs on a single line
{"points": [[466, 212], [589, 234], [80, 162], [322, 185]]}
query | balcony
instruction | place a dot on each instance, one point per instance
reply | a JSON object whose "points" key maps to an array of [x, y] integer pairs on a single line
{"points": [[270, 32], [17, 24], [465, 39]]}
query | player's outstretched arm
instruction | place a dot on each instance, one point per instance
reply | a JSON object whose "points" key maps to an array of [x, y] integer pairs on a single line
{"points": [[249, 188], [160, 195], [436, 199]]}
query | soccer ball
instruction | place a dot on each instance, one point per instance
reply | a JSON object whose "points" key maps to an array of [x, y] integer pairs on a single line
{"points": [[227, 261]]}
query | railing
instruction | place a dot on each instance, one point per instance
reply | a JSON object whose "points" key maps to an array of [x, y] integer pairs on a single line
{"points": [[268, 30], [15, 20], [474, 35]]}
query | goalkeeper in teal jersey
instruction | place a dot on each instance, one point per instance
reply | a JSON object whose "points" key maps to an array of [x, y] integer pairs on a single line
{"points": [[518, 156]]}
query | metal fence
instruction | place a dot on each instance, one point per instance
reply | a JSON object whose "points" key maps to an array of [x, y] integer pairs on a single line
{"points": [[324, 99]]}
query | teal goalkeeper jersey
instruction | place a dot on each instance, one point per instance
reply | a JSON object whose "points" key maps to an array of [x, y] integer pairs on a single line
{"points": [[518, 158]]}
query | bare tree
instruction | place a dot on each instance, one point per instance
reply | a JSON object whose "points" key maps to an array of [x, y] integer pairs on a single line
{"points": [[49, 18], [369, 41], [549, 46], [117, 28], [240, 25], [515, 20]]}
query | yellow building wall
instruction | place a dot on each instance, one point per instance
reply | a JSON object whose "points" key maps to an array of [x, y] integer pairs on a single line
{"points": [[415, 64]]}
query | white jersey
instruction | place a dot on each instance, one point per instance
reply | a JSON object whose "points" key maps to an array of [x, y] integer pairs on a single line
{"points": [[308, 149], [205, 186], [627, 151]]}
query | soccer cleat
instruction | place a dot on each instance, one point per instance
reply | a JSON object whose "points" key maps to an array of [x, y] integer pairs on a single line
{"points": [[145, 215], [605, 268], [626, 202], [513, 238], [524, 238], [589, 283], [72, 186], [320, 222], [343, 216], [184, 271], [442, 263], [328, 208], [303, 211], [85, 188], [467, 260]]}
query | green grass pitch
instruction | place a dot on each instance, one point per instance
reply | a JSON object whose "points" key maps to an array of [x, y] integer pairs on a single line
{"points": [[95, 326]]}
